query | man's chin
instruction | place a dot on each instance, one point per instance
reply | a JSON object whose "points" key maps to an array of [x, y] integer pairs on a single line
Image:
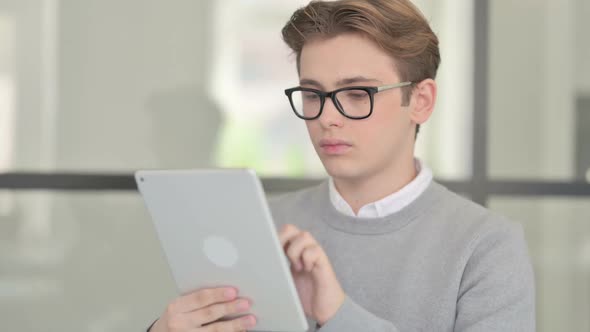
{"points": [[342, 170]]}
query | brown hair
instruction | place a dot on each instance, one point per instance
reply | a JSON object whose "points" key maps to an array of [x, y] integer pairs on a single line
{"points": [[396, 25]]}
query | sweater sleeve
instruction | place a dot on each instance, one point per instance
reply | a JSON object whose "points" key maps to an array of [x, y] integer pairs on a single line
{"points": [[351, 317], [497, 290]]}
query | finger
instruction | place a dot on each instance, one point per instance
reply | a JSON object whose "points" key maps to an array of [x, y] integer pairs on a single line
{"points": [[202, 298], [217, 311], [287, 233], [296, 246], [311, 257], [238, 324]]}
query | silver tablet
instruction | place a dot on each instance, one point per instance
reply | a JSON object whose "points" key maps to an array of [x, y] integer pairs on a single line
{"points": [[216, 230]]}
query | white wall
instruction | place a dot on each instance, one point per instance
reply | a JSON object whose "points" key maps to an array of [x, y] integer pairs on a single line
{"points": [[532, 92], [538, 67], [99, 85]]}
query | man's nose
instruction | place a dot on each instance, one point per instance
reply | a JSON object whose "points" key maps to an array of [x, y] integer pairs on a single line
{"points": [[330, 115]]}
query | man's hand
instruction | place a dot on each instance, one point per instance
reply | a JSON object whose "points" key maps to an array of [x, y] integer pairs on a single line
{"points": [[200, 310], [317, 285]]}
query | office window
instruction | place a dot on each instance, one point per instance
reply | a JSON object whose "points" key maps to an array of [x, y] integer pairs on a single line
{"points": [[557, 230]]}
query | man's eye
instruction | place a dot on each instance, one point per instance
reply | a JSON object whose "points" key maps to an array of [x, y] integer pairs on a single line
{"points": [[310, 96], [356, 95]]}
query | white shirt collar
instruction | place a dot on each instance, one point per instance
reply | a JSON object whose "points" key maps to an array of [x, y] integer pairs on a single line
{"points": [[390, 204]]}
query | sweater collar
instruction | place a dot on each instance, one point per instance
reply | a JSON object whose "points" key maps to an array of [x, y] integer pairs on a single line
{"points": [[381, 225]]}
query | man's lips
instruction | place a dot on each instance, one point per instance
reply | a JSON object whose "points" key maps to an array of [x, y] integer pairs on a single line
{"points": [[333, 141], [333, 146]]}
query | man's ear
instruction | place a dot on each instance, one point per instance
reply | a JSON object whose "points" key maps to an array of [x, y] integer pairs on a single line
{"points": [[423, 101]]}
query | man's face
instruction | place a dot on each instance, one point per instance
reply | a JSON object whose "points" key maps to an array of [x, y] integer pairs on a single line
{"points": [[356, 149]]}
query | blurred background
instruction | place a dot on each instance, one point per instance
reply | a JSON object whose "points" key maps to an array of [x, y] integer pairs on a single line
{"points": [[92, 90]]}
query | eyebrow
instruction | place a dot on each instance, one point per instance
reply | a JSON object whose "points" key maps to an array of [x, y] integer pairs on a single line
{"points": [[344, 81]]}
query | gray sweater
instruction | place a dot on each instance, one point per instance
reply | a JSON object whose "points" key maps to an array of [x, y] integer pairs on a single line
{"points": [[442, 263]]}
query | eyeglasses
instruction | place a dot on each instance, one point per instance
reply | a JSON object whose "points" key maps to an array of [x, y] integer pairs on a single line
{"points": [[355, 102]]}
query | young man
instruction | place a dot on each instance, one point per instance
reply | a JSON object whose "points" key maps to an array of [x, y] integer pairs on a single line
{"points": [[380, 246]]}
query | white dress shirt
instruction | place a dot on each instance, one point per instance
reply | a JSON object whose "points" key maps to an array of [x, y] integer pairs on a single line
{"points": [[390, 204]]}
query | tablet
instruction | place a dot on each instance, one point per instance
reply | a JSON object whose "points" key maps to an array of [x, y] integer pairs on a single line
{"points": [[216, 229]]}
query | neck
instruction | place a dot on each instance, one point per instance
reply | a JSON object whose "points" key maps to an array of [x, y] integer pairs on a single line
{"points": [[359, 192]]}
